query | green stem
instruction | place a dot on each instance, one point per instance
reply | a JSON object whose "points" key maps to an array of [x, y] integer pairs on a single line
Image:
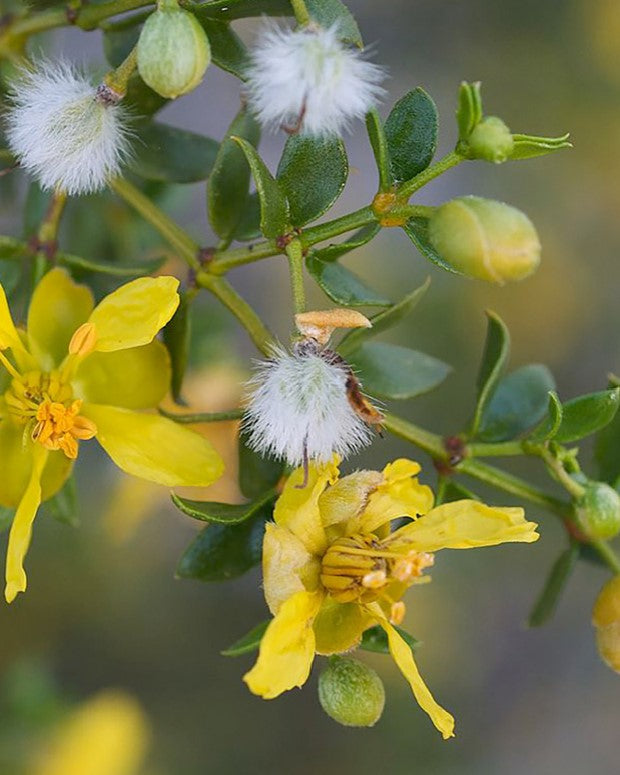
{"points": [[218, 286], [200, 417], [295, 263], [556, 469], [118, 79], [425, 440], [430, 173], [500, 449], [87, 17], [169, 230], [301, 12], [607, 554]]}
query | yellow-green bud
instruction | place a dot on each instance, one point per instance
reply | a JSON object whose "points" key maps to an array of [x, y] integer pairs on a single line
{"points": [[491, 140], [351, 693], [173, 51], [485, 239], [606, 620], [598, 511]]}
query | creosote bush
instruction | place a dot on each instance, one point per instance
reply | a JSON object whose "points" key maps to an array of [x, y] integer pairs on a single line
{"points": [[339, 547]]}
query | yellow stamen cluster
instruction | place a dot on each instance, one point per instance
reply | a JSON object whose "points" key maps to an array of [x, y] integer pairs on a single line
{"points": [[43, 402], [361, 568]]}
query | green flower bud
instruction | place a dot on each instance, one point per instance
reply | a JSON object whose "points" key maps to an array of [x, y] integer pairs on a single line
{"points": [[173, 51], [598, 511], [351, 693], [485, 239], [606, 620], [491, 140]]}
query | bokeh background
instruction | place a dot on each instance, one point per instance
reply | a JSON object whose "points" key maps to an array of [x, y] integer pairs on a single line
{"points": [[103, 608]]}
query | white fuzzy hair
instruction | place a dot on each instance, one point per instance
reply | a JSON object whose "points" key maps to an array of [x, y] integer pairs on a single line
{"points": [[310, 73], [298, 401], [60, 133]]}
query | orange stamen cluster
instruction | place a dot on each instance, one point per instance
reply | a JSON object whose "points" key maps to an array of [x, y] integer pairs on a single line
{"points": [[61, 427]]}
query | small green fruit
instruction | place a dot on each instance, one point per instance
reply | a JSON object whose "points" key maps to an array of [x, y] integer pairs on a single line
{"points": [[351, 693], [491, 140], [173, 51], [485, 239], [598, 511]]}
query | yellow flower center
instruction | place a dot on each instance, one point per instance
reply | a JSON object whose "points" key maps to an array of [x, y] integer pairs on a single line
{"points": [[45, 404], [360, 568]]}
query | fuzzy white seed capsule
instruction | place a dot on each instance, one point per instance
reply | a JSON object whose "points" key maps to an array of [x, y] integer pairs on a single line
{"points": [[309, 81], [298, 408], [63, 131]]}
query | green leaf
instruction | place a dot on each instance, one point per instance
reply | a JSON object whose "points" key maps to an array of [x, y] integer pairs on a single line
{"points": [[551, 423], [494, 359], [141, 100], [325, 12], [227, 193], [375, 639], [379, 145], [391, 371], [248, 643], [222, 513], [221, 552], [173, 155], [417, 231], [312, 173], [587, 414], [257, 474], [469, 111], [607, 447], [177, 337], [227, 49], [274, 217], [343, 286], [248, 227], [64, 506], [411, 133], [337, 249], [529, 147], [383, 321], [518, 403], [6, 518], [548, 600]]}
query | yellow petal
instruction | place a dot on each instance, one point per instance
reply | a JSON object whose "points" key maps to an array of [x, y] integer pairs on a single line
{"points": [[346, 499], [338, 627], [464, 525], [288, 567], [402, 655], [9, 336], [155, 448], [138, 378], [400, 495], [298, 507], [16, 466], [133, 314], [107, 735], [287, 648], [21, 529], [57, 308]]}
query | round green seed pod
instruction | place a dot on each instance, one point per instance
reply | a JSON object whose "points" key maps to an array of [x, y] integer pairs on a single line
{"points": [[491, 140], [485, 239], [173, 52], [598, 511], [606, 620], [351, 693]]}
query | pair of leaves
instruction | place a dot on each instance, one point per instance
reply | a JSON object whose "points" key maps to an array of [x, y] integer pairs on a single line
{"points": [[405, 145], [373, 639], [506, 407], [579, 417], [232, 542]]}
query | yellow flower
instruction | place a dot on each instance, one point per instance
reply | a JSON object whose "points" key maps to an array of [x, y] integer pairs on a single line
{"points": [[79, 372], [332, 568], [107, 735]]}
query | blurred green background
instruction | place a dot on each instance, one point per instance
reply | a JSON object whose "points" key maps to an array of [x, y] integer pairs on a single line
{"points": [[103, 608]]}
